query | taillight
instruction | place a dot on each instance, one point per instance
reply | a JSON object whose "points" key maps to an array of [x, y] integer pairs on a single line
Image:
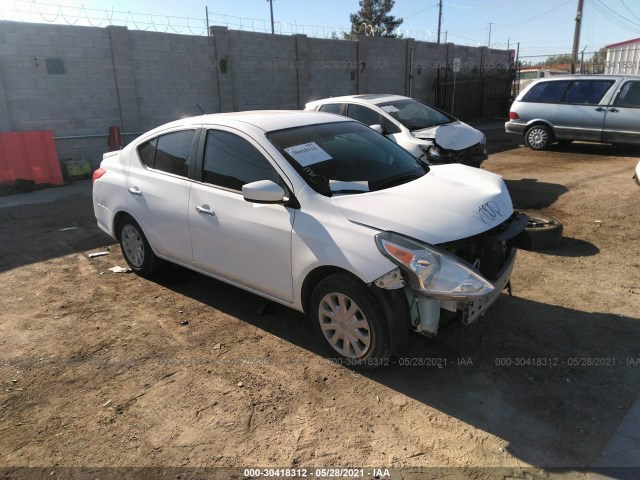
{"points": [[513, 116], [97, 174]]}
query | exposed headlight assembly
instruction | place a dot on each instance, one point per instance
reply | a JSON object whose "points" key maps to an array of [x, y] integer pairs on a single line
{"points": [[433, 272], [432, 152]]}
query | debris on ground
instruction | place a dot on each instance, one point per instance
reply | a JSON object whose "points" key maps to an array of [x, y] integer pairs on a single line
{"points": [[118, 269], [98, 254]]}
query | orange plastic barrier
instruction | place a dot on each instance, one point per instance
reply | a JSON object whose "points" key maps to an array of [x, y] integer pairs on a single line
{"points": [[29, 156]]}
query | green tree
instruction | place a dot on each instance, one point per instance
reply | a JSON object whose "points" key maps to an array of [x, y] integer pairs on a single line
{"points": [[373, 19], [599, 57], [563, 59]]}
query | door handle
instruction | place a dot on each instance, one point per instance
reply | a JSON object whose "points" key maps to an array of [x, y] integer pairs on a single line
{"points": [[135, 191], [599, 109], [614, 110], [205, 209]]}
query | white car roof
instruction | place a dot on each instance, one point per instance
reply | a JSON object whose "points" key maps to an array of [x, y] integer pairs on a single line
{"points": [[372, 99], [266, 120]]}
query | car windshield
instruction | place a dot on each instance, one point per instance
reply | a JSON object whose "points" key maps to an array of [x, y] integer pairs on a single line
{"points": [[415, 115], [346, 158]]}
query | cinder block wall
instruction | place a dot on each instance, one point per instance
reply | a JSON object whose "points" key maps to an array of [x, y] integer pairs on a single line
{"points": [[79, 81]]}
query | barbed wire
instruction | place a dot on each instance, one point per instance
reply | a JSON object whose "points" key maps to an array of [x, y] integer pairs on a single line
{"points": [[39, 12]]}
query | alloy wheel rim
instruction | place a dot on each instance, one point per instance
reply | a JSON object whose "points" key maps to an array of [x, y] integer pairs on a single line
{"points": [[537, 137], [344, 325], [133, 245]]}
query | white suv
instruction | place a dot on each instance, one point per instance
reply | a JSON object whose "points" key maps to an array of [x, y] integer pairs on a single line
{"points": [[421, 129], [316, 212]]}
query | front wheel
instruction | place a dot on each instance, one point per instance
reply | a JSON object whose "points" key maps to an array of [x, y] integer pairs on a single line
{"points": [[349, 322], [136, 249], [538, 137]]}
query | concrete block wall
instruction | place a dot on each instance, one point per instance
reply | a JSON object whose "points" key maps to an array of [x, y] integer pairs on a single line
{"points": [[428, 58], [263, 70], [79, 81], [332, 67], [79, 98], [383, 65], [171, 73]]}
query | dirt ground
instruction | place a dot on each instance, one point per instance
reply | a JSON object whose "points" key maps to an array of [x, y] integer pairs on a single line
{"points": [[100, 369]]}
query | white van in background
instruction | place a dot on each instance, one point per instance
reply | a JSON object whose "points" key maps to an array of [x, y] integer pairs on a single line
{"points": [[527, 75]]}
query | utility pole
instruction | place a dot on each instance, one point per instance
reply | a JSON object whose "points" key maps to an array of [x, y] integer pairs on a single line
{"points": [[490, 23], [439, 18], [273, 30], [576, 37]]}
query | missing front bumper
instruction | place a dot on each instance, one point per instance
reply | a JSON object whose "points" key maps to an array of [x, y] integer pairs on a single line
{"points": [[425, 312]]}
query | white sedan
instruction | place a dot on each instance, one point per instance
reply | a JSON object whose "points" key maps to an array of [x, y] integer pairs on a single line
{"points": [[421, 129], [316, 212]]}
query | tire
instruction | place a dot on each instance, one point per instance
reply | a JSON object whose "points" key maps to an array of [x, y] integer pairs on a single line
{"points": [[136, 249], [367, 344], [538, 137], [543, 232]]}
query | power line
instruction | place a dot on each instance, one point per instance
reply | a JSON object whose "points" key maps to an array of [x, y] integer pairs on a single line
{"points": [[517, 23], [616, 14], [419, 12], [629, 10], [613, 19]]}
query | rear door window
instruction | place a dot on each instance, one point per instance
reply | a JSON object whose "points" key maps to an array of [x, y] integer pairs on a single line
{"points": [[170, 153], [546, 92], [629, 95], [331, 108], [586, 92]]}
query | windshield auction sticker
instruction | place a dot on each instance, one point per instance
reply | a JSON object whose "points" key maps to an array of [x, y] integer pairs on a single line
{"points": [[308, 154]]}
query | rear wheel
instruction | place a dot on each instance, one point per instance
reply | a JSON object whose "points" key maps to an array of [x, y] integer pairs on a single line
{"points": [[538, 137], [349, 322], [136, 249]]}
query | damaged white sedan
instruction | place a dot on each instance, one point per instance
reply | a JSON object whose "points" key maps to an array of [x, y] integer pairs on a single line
{"points": [[419, 128], [319, 213]]}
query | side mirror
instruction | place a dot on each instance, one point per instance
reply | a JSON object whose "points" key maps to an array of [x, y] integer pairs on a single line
{"points": [[377, 127], [263, 191]]}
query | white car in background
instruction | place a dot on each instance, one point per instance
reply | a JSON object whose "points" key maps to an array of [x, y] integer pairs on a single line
{"points": [[421, 129], [316, 212]]}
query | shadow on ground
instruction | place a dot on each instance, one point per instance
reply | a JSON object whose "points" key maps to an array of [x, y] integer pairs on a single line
{"points": [[530, 193], [36, 232], [546, 379], [604, 149]]}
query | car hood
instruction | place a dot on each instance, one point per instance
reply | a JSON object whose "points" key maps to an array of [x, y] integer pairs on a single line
{"points": [[451, 136], [448, 203]]}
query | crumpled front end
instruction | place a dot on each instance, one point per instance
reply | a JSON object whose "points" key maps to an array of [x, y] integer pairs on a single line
{"points": [[489, 258], [472, 156], [455, 142]]}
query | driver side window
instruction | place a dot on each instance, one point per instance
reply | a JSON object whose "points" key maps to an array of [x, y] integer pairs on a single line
{"points": [[231, 162], [363, 114]]}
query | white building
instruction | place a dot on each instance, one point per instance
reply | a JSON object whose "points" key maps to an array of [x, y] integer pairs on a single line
{"points": [[623, 58]]}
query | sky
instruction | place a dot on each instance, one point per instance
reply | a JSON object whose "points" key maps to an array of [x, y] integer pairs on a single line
{"points": [[541, 27]]}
